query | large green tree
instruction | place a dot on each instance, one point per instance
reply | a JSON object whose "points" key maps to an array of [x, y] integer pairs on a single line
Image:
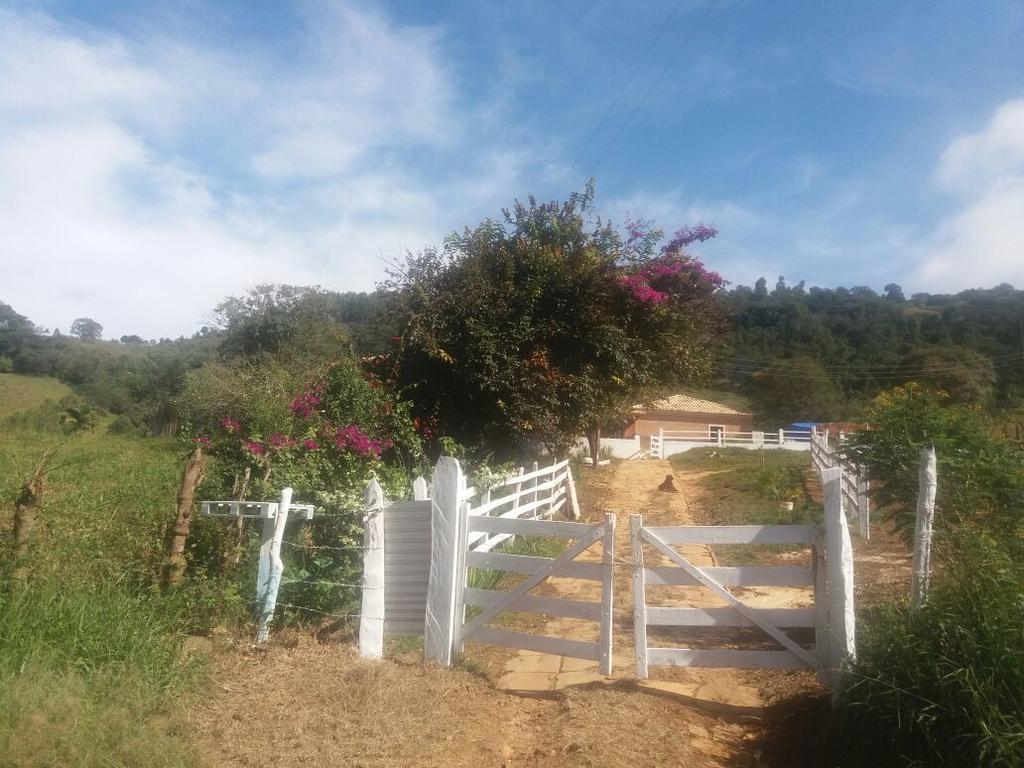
{"points": [[540, 327]]}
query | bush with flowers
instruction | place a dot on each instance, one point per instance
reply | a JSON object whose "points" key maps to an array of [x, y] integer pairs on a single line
{"points": [[326, 433]]}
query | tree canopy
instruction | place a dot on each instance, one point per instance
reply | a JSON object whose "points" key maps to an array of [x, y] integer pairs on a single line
{"points": [[535, 329]]}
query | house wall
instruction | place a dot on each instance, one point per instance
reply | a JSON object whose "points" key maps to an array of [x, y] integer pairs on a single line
{"points": [[672, 421]]}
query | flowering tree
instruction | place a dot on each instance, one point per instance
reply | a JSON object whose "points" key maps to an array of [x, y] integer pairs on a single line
{"points": [[538, 329], [325, 432]]}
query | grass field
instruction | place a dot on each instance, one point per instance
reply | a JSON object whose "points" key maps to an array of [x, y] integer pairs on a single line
{"points": [[738, 493], [91, 665], [19, 392]]}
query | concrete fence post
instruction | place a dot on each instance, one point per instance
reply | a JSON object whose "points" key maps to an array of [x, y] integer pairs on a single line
{"points": [[268, 579], [371, 614], [927, 483], [839, 562], [419, 489], [447, 528]]}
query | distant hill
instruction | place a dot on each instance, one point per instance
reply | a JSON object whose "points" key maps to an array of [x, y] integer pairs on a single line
{"points": [[19, 392]]}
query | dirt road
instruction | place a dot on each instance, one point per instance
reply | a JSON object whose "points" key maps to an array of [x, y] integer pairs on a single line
{"points": [[632, 487]]}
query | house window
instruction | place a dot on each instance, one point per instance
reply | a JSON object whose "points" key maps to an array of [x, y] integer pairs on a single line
{"points": [[716, 433]]}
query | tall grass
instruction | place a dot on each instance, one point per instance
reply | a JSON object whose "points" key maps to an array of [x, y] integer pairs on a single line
{"points": [[944, 686], [91, 675], [91, 666]]}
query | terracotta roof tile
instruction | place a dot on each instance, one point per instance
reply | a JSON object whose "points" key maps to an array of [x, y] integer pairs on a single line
{"points": [[687, 404]]}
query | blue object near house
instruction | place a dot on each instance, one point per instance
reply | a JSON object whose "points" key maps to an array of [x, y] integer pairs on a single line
{"points": [[803, 426]]}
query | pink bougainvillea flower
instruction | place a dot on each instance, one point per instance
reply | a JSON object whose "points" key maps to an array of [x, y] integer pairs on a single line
{"points": [[278, 440], [311, 444], [353, 438], [203, 441], [230, 424], [253, 447], [305, 405]]}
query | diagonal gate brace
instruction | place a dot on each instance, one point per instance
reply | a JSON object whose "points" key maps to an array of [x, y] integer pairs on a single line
{"points": [[536, 578]]}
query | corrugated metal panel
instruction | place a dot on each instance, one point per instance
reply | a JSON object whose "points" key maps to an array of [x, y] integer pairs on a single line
{"points": [[406, 566]]}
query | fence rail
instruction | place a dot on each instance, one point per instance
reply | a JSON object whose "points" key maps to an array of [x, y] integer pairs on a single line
{"points": [[854, 484], [668, 442]]}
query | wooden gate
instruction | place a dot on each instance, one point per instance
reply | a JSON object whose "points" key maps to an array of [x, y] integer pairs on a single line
{"points": [[537, 570], [716, 579], [831, 575]]}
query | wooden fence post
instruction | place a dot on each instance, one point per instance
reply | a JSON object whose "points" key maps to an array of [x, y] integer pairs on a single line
{"points": [[606, 660], [782, 436], [268, 579], [419, 489], [446, 527], [927, 482], [533, 484], [636, 522], [661, 443], [839, 560], [574, 504], [371, 618], [863, 504]]}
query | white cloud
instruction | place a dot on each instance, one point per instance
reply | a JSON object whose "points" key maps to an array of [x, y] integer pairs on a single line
{"points": [[314, 169], [982, 242]]}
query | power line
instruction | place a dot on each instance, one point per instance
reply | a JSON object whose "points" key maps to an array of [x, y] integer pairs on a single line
{"points": [[654, 85], [629, 81]]}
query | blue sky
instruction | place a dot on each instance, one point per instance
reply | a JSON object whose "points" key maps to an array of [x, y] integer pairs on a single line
{"points": [[156, 157]]}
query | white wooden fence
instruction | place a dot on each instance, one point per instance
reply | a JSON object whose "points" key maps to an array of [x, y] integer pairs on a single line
{"points": [[669, 442], [855, 484], [831, 576], [402, 538]]}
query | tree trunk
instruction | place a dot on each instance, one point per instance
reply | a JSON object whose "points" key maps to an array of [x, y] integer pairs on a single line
{"points": [[594, 441], [26, 512], [190, 479]]}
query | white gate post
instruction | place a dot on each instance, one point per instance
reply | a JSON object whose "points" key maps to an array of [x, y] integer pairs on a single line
{"points": [[782, 437], [271, 566], [371, 621], [839, 559], [446, 526], [661, 442], [923, 529], [636, 522], [419, 489]]}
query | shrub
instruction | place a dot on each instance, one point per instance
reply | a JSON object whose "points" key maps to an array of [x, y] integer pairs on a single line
{"points": [[981, 478], [943, 686]]}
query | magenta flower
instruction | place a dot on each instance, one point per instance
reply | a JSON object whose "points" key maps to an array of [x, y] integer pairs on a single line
{"points": [[311, 444], [230, 424], [353, 438], [278, 441], [253, 447], [203, 441]]}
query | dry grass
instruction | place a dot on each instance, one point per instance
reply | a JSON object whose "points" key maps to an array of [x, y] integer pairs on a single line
{"points": [[320, 705]]}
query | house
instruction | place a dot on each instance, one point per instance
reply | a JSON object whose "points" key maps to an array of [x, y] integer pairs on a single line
{"points": [[690, 415]]}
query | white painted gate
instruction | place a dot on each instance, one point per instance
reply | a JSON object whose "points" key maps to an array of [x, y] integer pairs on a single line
{"points": [[830, 574], [537, 570]]}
